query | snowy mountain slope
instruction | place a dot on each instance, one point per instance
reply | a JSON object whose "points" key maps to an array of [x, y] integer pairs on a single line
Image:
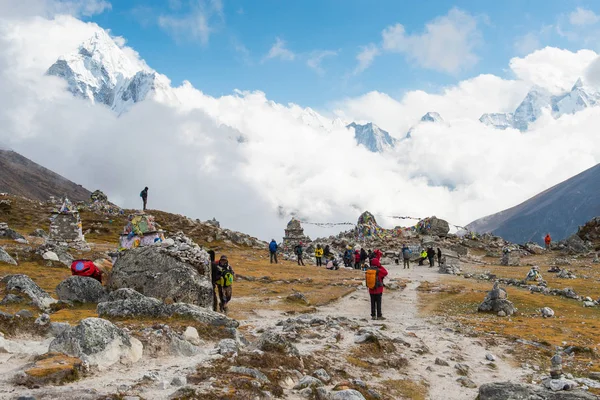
{"points": [[558, 210], [430, 117], [103, 73], [372, 137], [538, 99]]}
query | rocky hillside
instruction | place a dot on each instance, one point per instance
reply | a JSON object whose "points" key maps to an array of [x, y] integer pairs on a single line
{"points": [[23, 177], [559, 210]]}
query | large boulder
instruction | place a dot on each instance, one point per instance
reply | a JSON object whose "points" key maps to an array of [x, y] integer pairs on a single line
{"points": [[6, 258], [22, 285], [497, 301], [174, 271], [575, 245], [6, 232], [81, 289], [517, 391], [98, 342], [433, 226]]}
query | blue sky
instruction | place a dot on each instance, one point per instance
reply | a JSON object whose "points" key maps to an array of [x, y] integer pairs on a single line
{"points": [[223, 45]]}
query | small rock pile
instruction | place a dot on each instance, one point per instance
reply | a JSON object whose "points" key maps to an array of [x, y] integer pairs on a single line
{"points": [[566, 274], [497, 301], [185, 250], [450, 267], [510, 258]]}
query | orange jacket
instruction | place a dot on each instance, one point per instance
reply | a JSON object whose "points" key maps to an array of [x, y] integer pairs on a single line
{"points": [[547, 239]]}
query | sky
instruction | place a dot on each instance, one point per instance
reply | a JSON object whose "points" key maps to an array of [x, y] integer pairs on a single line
{"points": [[314, 52], [248, 70]]}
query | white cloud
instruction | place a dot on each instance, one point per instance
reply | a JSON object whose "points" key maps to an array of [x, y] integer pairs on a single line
{"points": [[190, 146], [582, 16], [365, 57], [280, 51], [50, 8], [554, 69], [316, 58], [448, 43]]}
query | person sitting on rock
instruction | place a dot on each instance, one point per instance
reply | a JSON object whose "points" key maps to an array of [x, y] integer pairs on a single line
{"points": [[534, 274], [423, 256], [319, 255], [224, 282]]}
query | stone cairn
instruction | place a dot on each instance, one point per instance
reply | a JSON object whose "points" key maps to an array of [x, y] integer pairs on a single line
{"points": [[294, 234], [66, 228], [449, 266], [510, 258], [497, 301]]}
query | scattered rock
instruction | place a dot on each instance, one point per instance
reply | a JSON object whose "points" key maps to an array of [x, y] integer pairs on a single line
{"points": [[179, 381], [559, 384], [298, 297], [462, 369], [228, 348], [254, 373], [127, 303], [51, 369], [347, 394], [490, 357], [274, 342], [509, 390], [322, 375], [192, 336], [23, 285], [24, 314], [510, 258], [308, 382], [6, 258], [466, 382], [80, 289], [547, 312], [98, 342], [51, 256], [443, 363], [40, 233]]}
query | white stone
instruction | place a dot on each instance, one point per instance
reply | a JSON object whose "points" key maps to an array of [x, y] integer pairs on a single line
{"points": [[547, 312], [191, 335], [589, 304], [50, 255], [490, 357]]}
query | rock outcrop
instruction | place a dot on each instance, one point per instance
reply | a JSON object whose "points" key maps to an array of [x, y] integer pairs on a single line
{"points": [[177, 270], [127, 303], [98, 342], [509, 390], [510, 258], [433, 226], [497, 301], [81, 289], [6, 258], [22, 285]]}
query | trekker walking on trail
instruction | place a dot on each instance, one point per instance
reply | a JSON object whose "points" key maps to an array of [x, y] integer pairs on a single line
{"points": [[374, 278], [439, 255], [406, 252], [431, 256], [224, 282], [319, 255], [215, 273], [144, 196], [273, 251], [548, 241], [299, 250]]}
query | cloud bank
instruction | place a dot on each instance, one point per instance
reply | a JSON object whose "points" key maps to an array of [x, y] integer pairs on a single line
{"points": [[248, 161]]}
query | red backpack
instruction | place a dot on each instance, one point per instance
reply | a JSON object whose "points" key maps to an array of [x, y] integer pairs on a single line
{"points": [[86, 268]]}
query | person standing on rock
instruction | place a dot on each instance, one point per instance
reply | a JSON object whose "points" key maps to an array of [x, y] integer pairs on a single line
{"points": [[144, 196], [319, 255], [273, 251], [548, 241], [406, 252], [224, 282], [299, 252], [376, 287], [431, 256]]}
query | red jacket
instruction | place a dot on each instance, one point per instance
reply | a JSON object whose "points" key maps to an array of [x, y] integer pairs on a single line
{"points": [[548, 239], [382, 274], [357, 256]]}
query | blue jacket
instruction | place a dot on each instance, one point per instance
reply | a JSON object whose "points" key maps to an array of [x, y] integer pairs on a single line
{"points": [[273, 246]]}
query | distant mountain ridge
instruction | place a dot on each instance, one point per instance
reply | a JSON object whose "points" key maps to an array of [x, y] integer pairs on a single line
{"points": [[559, 210], [372, 137], [23, 177]]}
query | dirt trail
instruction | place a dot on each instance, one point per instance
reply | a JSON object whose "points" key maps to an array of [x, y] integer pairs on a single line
{"points": [[403, 320]]}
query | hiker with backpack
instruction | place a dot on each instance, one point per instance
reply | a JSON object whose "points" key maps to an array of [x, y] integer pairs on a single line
{"points": [[299, 251], [363, 259], [406, 252], [348, 257], [224, 282], [273, 251], [144, 196], [319, 255], [374, 279]]}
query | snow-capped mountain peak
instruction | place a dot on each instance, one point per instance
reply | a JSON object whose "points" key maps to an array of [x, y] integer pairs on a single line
{"points": [[103, 72], [372, 137], [432, 117]]}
